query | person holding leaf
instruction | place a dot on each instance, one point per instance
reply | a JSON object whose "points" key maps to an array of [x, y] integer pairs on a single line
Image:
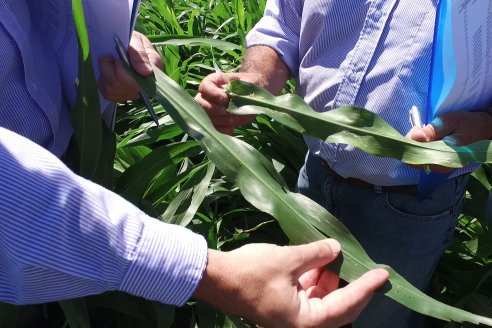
{"points": [[64, 237], [375, 55]]}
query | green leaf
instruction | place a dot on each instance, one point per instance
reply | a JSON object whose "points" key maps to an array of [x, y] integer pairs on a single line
{"points": [[183, 207], [171, 58], [155, 135], [76, 313], [86, 116], [478, 188], [131, 306], [104, 169], [207, 315], [302, 219], [182, 40], [236, 322], [353, 126], [164, 314], [136, 179]]}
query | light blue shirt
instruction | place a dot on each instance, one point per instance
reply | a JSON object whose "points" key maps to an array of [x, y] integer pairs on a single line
{"points": [[62, 236], [31, 98], [370, 54]]}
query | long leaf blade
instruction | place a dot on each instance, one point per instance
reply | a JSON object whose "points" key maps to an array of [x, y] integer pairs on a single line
{"points": [[183, 207], [136, 179], [182, 40], [76, 313], [301, 218], [86, 117], [354, 126]]}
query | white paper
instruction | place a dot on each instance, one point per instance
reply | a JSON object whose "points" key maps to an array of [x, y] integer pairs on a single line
{"points": [[472, 43], [104, 20]]}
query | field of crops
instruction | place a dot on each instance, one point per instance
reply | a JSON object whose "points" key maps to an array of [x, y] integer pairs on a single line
{"points": [[166, 173]]}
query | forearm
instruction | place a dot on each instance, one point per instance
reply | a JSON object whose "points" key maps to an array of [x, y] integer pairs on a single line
{"points": [[78, 238], [266, 62], [278, 31]]}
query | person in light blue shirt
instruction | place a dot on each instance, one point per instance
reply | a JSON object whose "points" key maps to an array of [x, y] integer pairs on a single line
{"points": [[64, 237], [375, 55]]}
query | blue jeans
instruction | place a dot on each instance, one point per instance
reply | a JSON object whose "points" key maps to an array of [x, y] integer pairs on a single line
{"points": [[394, 228]]}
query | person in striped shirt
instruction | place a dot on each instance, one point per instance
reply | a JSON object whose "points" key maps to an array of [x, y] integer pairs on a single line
{"points": [[65, 237], [375, 55]]}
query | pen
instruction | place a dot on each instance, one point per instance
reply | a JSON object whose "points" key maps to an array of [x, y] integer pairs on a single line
{"points": [[414, 116], [416, 121], [120, 48]]}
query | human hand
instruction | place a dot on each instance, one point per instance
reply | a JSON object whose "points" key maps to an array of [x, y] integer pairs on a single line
{"points": [[456, 129], [261, 66], [285, 286], [213, 98], [115, 83]]}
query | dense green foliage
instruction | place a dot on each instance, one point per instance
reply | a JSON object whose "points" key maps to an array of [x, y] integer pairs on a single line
{"points": [[302, 219], [463, 275], [166, 174]]}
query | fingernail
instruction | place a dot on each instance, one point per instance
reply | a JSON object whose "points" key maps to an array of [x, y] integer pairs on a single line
{"points": [[449, 140], [334, 245]]}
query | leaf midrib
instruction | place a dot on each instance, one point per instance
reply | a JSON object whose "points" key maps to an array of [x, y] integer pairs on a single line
{"points": [[213, 136], [360, 131]]}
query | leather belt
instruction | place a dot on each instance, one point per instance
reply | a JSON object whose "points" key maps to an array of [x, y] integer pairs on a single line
{"points": [[411, 190]]}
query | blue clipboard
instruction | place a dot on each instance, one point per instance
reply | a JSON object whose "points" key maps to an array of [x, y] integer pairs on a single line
{"points": [[134, 14], [443, 76]]}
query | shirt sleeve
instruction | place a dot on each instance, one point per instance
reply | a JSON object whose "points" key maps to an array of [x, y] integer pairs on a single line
{"points": [[63, 236], [279, 29]]}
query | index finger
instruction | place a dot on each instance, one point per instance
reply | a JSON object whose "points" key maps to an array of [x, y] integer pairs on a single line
{"points": [[345, 304], [367, 284], [212, 92]]}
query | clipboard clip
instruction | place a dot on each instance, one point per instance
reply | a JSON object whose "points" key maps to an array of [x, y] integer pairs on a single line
{"points": [[414, 117]]}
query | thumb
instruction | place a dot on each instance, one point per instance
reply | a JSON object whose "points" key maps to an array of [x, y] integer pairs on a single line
{"points": [[425, 134], [140, 62], [313, 255]]}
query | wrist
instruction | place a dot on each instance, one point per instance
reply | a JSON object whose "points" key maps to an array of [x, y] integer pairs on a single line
{"points": [[264, 62], [227, 286], [214, 284]]}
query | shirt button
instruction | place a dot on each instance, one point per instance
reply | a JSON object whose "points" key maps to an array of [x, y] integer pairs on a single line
{"points": [[377, 15], [353, 77]]}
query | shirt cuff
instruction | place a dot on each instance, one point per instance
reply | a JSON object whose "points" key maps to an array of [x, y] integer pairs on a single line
{"points": [[269, 32], [168, 264]]}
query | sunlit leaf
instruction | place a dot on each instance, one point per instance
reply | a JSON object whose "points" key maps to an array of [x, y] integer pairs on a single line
{"points": [[353, 126], [183, 207], [181, 40], [302, 219], [136, 179]]}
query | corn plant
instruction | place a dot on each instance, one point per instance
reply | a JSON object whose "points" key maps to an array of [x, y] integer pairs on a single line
{"points": [[166, 173], [461, 263], [302, 219]]}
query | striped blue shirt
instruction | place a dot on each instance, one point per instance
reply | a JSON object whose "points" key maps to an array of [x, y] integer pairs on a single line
{"points": [[63, 236], [371, 54]]}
